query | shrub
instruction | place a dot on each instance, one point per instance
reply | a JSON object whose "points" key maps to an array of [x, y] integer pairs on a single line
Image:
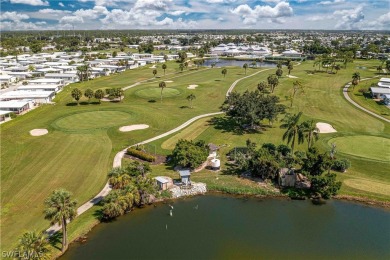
{"points": [[341, 165], [13, 115], [141, 155]]}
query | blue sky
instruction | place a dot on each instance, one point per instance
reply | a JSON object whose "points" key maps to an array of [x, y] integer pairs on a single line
{"points": [[194, 14]]}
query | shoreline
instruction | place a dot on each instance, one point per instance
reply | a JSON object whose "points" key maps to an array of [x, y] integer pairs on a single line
{"points": [[347, 198]]}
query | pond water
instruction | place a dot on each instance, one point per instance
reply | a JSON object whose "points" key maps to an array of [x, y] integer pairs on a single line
{"points": [[238, 63], [223, 227]]}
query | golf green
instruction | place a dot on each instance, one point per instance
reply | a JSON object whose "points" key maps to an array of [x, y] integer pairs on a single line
{"points": [[156, 93], [372, 147], [93, 120]]}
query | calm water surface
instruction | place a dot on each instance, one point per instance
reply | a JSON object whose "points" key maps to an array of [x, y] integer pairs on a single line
{"points": [[238, 63], [222, 227]]}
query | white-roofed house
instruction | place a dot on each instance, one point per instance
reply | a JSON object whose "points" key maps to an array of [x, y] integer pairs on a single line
{"points": [[15, 106], [42, 97], [47, 81], [41, 87], [66, 77]]}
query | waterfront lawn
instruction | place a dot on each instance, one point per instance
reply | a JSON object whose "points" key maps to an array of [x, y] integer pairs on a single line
{"points": [[83, 139]]}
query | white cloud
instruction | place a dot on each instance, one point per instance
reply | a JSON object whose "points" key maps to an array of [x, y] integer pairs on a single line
{"points": [[177, 12], [349, 18], [220, 1], [251, 16], [54, 11], [91, 13], [68, 19], [152, 4], [13, 16], [30, 2], [334, 2], [61, 4]]}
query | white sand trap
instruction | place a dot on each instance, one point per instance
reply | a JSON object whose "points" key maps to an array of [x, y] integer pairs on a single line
{"points": [[38, 132], [192, 86], [292, 77], [325, 128], [168, 81], [129, 128], [153, 67]]}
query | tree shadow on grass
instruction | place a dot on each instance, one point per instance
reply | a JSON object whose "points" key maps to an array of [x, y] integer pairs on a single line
{"points": [[84, 103], [231, 169], [228, 125], [55, 240], [184, 107], [152, 101], [217, 80], [71, 104]]}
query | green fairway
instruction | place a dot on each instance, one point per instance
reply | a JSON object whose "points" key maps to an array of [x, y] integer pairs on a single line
{"points": [[372, 147], [155, 93], [83, 139], [93, 120]]}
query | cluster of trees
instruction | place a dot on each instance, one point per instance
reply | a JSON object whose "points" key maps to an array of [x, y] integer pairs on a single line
{"points": [[88, 93], [189, 153], [115, 93], [132, 186], [266, 162], [250, 108], [147, 48], [83, 72]]}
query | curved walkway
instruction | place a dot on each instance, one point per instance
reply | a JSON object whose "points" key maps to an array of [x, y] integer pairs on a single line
{"points": [[349, 99], [118, 157]]}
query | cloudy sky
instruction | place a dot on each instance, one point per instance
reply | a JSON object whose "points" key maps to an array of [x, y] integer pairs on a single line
{"points": [[197, 14]]}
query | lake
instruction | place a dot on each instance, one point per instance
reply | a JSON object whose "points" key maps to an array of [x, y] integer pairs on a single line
{"points": [[225, 227], [238, 63]]}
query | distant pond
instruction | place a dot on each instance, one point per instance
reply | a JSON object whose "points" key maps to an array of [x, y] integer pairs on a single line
{"points": [[238, 63], [224, 227]]}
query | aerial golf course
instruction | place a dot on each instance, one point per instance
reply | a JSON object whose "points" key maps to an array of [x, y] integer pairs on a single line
{"points": [[83, 138]]}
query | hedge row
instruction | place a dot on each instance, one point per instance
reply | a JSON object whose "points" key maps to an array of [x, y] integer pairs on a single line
{"points": [[141, 155]]}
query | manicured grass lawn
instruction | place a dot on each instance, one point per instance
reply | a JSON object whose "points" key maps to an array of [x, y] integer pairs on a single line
{"points": [[83, 139], [155, 93], [371, 147]]}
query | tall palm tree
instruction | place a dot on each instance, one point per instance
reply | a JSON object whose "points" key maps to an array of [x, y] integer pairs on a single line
{"points": [[154, 72], [60, 208], [356, 76], [33, 245], [181, 67], [76, 94], [245, 66], [337, 67], [311, 132], [190, 98], [164, 67], [224, 72], [290, 67], [294, 130], [262, 86], [162, 85], [273, 81]]}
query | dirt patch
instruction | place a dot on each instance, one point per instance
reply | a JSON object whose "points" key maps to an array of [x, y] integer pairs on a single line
{"points": [[38, 132], [129, 128], [192, 86], [325, 128]]}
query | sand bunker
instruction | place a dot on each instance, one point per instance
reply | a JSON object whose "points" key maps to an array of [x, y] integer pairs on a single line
{"points": [[192, 86], [153, 67], [129, 128], [38, 132], [292, 77], [168, 81], [325, 128]]}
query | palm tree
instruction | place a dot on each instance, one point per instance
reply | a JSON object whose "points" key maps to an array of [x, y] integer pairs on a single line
{"points": [[273, 81], [311, 132], [355, 82], [245, 66], [279, 72], [279, 65], [262, 86], [162, 85], [294, 130], [76, 94], [379, 69], [119, 93], [224, 72], [190, 98], [33, 245], [154, 72], [88, 94], [60, 208], [290, 67], [81, 72], [297, 85], [99, 94], [164, 67], [181, 67], [356, 76]]}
